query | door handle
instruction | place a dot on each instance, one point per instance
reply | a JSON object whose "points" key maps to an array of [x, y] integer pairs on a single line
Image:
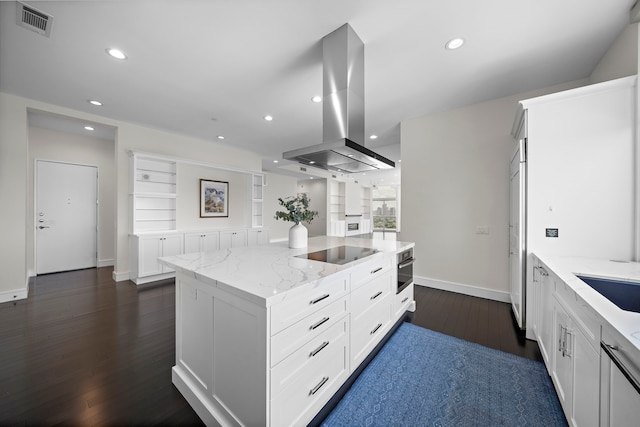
{"points": [[43, 226]]}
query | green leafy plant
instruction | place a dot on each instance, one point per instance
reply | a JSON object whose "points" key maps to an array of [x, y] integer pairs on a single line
{"points": [[297, 209]]}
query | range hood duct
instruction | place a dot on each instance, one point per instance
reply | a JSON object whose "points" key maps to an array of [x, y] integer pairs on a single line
{"points": [[342, 149]]}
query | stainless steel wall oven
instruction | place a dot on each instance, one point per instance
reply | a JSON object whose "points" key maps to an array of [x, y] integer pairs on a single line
{"points": [[405, 269]]}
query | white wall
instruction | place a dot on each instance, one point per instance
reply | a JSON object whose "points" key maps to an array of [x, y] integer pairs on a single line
{"points": [[277, 186], [46, 144], [13, 197], [188, 191], [455, 177], [316, 189], [621, 60], [14, 178]]}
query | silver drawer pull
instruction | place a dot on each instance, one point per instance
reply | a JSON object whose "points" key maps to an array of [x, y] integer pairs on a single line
{"points": [[375, 329], [314, 301], [320, 323], [319, 349], [376, 270], [376, 295], [320, 384], [404, 300]]}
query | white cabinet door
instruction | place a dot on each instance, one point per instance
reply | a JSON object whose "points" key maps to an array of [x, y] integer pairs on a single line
{"points": [[586, 382], [201, 242], [171, 245], [233, 239], [149, 250], [153, 247], [192, 242], [562, 366], [258, 237]]}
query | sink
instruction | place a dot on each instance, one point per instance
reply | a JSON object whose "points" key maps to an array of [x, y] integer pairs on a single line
{"points": [[624, 294]]}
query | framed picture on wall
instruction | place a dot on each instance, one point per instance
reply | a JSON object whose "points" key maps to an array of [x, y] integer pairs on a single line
{"points": [[214, 198]]}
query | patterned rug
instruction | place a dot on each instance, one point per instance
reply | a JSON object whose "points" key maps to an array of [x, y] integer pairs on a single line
{"points": [[424, 378]]}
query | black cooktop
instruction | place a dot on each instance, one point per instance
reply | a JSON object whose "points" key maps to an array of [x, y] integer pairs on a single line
{"points": [[339, 255]]}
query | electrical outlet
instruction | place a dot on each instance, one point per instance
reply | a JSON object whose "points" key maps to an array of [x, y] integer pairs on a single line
{"points": [[482, 229]]}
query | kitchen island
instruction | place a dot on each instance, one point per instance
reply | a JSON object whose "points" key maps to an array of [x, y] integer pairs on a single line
{"points": [[266, 335]]}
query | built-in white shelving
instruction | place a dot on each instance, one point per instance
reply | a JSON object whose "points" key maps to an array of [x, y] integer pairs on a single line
{"points": [[153, 194]]}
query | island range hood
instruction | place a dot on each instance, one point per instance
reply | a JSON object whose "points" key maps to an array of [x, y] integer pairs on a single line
{"points": [[342, 149]]}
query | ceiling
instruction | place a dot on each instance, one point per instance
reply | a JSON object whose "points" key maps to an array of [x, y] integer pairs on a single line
{"points": [[206, 68]]}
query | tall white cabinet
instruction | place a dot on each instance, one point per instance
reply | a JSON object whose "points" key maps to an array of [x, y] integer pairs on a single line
{"points": [[580, 196]]}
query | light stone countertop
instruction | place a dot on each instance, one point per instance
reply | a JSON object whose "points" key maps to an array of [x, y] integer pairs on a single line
{"points": [[265, 273], [627, 323]]}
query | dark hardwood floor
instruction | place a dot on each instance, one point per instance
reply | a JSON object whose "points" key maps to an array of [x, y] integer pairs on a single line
{"points": [[83, 350]]}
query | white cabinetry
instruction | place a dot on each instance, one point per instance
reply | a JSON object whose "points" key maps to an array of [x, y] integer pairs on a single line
{"points": [[279, 364], [257, 188], [569, 135], [148, 248], [201, 242], [233, 238], [153, 194], [619, 381], [257, 236], [336, 225], [543, 288], [575, 360], [371, 304]]}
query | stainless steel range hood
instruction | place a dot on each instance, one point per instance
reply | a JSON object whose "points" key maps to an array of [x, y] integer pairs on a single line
{"points": [[343, 147]]}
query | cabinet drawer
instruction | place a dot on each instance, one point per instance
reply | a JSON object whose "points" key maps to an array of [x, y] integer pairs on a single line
{"points": [[302, 383], [290, 339], [309, 299], [368, 329], [362, 273], [370, 293], [403, 301]]}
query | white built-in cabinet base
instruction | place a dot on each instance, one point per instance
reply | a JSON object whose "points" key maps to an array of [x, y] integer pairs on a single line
{"points": [[244, 362]]}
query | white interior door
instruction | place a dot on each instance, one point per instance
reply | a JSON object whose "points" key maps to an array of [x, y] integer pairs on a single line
{"points": [[66, 216]]}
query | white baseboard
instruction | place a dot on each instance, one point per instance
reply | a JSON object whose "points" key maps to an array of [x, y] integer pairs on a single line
{"points": [[462, 288], [14, 295], [119, 276], [106, 262]]}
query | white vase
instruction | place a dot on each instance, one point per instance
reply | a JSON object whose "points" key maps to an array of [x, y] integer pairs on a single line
{"points": [[298, 236]]}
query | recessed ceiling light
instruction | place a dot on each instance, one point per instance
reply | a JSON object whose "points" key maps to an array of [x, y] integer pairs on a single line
{"points": [[311, 162], [317, 98], [94, 102], [220, 137], [89, 128], [268, 118], [275, 161], [116, 53], [373, 137], [454, 43], [399, 161]]}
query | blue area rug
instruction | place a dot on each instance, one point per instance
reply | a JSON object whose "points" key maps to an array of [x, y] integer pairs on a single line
{"points": [[424, 378]]}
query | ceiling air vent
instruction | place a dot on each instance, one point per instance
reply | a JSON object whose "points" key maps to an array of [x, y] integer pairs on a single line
{"points": [[34, 19]]}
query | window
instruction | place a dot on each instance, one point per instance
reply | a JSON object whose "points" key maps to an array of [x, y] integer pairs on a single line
{"points": [[385, 208]]}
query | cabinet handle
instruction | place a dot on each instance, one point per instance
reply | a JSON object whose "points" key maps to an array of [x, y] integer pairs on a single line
{"points": [[314, 301], [404, 300], [320, 384], [376, 295], [318, 324], [569, 343], [319, 349], [375, 329], [376, 270]]}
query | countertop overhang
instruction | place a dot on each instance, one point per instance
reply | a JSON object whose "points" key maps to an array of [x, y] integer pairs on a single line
{"points": [[627, 323], [264, 273]]}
